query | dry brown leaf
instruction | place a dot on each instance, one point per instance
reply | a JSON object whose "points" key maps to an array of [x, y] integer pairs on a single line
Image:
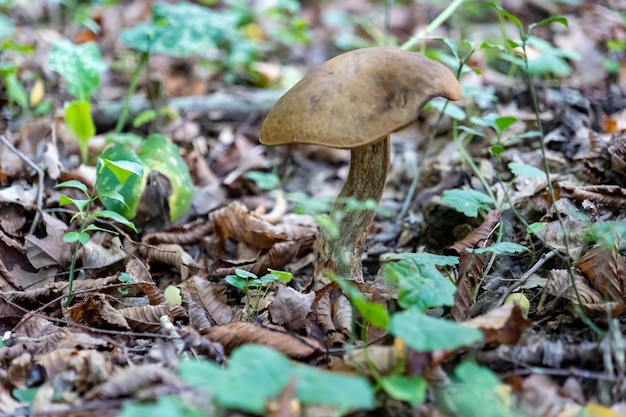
{"points": [[234, 335], [94, 310], [186, 235], [279, 255], [102, 250], [559, 285], [139, 273], [503, 325], [290, 308], [212, 298], [146, 318], [603, 195], [50, 249], [174, 255], [129, 381], [600, 265], [383, 359], [236, 222], [471, 265]]}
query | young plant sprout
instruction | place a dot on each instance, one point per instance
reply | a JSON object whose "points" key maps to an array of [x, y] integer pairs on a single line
{"points": [[355, 101]]}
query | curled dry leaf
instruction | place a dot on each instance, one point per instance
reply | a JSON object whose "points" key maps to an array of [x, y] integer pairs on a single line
{"points": [[174, 255], [472, 265], [603, 195], [212, 298], [236, 222], [279, 255], [139, 273], [94, 310], [503, 325], [290, 308], [593, 303], [234, 335], [602, 266], [128, 382], [188, 234], [198, 318]]}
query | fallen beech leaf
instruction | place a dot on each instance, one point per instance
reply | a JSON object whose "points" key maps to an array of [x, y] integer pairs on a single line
{"points": [[212, 298], [503, 325], [236, 334], [600, 265], [95, 310], [471, 265], [290, 308]]}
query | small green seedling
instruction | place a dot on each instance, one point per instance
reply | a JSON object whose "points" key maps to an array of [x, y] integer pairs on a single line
{"points": [[86, 217], [245, 280]]}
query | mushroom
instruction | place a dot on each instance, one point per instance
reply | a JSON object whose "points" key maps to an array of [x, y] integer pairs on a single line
{"points": [[355, 101]]}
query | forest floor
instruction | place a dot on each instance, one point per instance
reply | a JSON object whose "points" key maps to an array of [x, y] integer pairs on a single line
{"points": [[520, 186]]}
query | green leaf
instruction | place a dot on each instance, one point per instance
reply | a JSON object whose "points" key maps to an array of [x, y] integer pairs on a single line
{"points": [[282, 276], [553, 19], [6, 28], [80, 204], [500, 248], [256, 374], [113, 195], [144, 117], [15, 91], [424, 258], [315, 386], [374, 313], [161, 155], [72, 237], [428, 334], [264, 180], [242, 273], [94, 228], [78, 119], [237, 282], [112, 215], [25, 395], [421, 286], [79, 65], [467, 201], [536, 227], [409, 389], [508, 15], [182, 29], [74, 184], [504, 122], [475, 387], [497, 149], [125, 278], [471, 131], [526, 171], [123, 169], [163, 406], [109, 185]]}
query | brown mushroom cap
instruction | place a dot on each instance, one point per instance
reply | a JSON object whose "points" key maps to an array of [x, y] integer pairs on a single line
{"points": [[358, 98]]}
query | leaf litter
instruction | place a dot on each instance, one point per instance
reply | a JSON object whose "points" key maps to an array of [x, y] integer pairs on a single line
{"points": [[122, 338]]}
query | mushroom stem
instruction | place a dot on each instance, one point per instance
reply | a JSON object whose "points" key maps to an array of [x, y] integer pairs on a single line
{"points": [[366, 180]]}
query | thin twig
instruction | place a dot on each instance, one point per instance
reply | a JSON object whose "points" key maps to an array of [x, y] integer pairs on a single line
{"points": [[522, 280]]}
